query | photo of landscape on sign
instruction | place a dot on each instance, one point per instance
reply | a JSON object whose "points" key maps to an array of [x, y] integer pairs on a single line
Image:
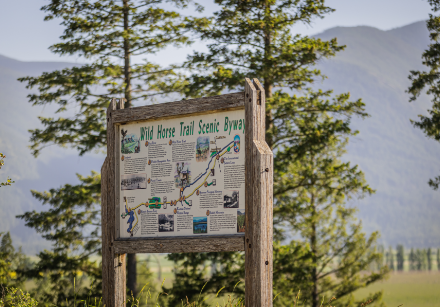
{"points": [[183, 176]]}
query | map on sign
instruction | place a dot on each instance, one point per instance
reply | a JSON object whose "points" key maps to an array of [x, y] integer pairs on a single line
{"points": [[183, 176]]}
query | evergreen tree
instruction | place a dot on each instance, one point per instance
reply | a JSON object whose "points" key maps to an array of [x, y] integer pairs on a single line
{"points": [[337, 253], [254, 39], [390, 260], [108, 33], [72, 224], [400, 257], [13, 263], [429, 258], [429, 80], [412, 260], [438, 259]]}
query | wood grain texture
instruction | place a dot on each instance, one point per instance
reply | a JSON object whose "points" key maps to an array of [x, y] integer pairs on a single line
{"points": [[180, 108], [104, 238], [259, 203], [113, 265], [181, 245]]}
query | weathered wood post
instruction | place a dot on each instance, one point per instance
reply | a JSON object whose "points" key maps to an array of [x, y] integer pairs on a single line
{"points": [[259, 200], [202, 213], [113, 263]]}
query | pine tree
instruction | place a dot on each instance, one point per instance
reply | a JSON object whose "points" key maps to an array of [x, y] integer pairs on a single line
{"points": [[390, 261], [429, 80], [438, 259], [254, 39], [400, 257], [339, 253], [72, 224], [106, 33], [13, 263], [429, 258], [412, 260]]}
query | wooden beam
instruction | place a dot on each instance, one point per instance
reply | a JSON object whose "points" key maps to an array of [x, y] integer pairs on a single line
{"points": [[181, 245], [180, 108], [113, 264], [259, 202]]}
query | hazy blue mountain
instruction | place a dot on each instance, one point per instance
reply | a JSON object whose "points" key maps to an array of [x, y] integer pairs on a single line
{"points": [[398, 160], [52, 169]]}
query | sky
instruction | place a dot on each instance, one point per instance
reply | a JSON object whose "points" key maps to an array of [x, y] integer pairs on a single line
{"points": [[26, 36]]}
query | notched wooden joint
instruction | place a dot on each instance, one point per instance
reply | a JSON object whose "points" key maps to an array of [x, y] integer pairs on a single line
{"points": [[258, 97]]}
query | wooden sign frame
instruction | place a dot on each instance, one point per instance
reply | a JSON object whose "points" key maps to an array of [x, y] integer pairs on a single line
{"points": [[257, 242]]}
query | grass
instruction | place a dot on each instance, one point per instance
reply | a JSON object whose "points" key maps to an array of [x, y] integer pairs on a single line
{"points": [[412, 289]]}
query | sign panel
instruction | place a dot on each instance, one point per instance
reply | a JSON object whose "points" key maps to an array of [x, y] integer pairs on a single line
{"points": [[183, 176]]}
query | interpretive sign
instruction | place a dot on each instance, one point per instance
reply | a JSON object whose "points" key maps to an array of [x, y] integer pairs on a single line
{"points": [[183, 176], [189, 176]]}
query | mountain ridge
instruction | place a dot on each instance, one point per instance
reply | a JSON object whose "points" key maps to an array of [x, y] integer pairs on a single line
{"points": [[397, 159]]}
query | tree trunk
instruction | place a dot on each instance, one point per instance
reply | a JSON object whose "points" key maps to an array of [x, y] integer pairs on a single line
{"points": [[127, 67], [268, 81], [131, 275], [313, 245], [131, 258]]}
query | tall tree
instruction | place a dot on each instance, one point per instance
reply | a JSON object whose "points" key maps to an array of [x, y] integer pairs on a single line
{"points": [[338, 252], [400, 255], [412, 260], [390, 258], [429, 258], [438, 259], [254, 39], [72, 225], [13, 263], [429, 80], [108, 34]]}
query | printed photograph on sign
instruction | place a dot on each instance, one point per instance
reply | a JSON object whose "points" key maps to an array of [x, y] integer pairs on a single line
{"points": [[236, 144], [166, 222], [133, 182], [200, 224], [230, 199], [130, 143], [182, 176], [240, 221], [202, 148]]}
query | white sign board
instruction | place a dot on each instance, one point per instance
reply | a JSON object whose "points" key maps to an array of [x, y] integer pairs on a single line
{"points": [[183, 176]]}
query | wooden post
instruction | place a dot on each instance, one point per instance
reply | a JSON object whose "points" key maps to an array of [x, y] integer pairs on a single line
{"points": [[259, 201], [113, 264]]}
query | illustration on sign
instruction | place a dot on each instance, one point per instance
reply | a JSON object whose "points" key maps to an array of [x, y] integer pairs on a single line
{"points": [[187, 177]]}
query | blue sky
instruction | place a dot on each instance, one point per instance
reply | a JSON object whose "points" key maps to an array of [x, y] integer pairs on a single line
{"points": [[25, 36]]}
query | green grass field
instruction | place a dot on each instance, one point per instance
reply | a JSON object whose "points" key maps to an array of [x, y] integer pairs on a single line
{"points": [[418, 289]]}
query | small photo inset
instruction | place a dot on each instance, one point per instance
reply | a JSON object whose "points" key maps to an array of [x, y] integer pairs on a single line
{"points": [[200, 224], [166, 222], [130, 143], [230, 199], [240, 221], [202, 148], [133, 182]]}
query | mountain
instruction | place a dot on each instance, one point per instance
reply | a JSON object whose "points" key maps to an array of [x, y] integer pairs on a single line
{"points": [[397, 159], [50, 170]]}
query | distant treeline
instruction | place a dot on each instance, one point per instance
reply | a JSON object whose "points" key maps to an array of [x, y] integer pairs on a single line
{"points": [[399, 259]]}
